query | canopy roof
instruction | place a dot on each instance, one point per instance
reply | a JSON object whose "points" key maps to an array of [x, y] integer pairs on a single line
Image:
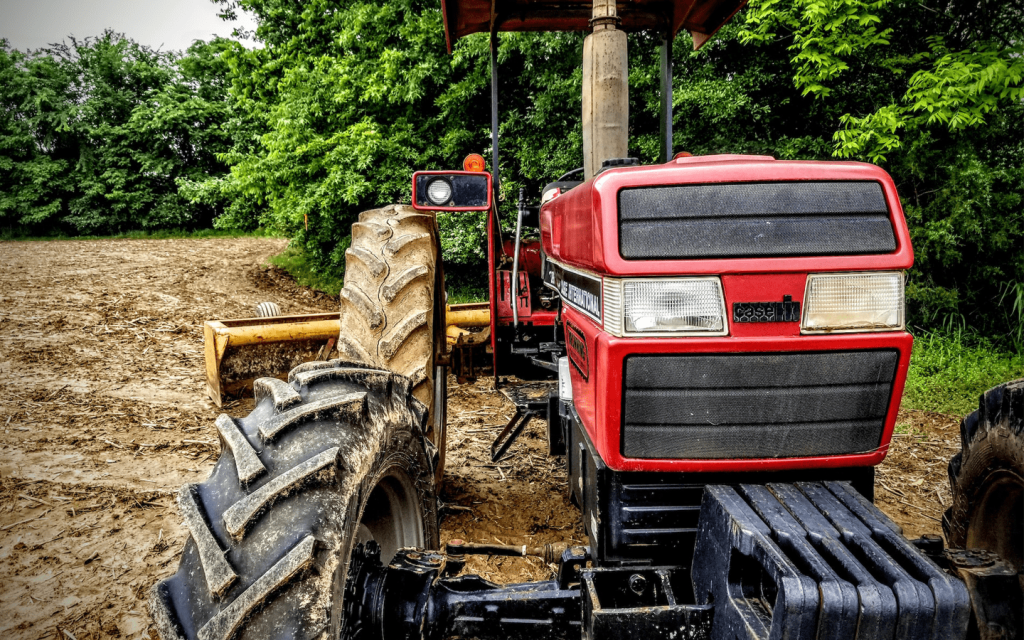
{"points": [[702, 18]]}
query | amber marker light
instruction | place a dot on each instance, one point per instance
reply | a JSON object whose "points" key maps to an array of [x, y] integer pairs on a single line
{"points": [[474, 162]]}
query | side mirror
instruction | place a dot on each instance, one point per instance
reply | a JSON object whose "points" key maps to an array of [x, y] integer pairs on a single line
{"points": [[451, 191]]}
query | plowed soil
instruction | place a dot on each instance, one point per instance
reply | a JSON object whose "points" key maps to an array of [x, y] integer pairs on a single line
{"points": [[103, 416]]}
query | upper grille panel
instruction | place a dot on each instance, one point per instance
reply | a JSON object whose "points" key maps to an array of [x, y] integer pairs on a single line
{"points": [[757, 219]]}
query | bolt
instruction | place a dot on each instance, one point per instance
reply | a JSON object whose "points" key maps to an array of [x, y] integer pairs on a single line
{"points": [[637, 584], [972, 558]]}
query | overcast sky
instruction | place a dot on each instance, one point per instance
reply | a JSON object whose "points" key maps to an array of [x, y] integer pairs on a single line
{"points": [[164, 24]]}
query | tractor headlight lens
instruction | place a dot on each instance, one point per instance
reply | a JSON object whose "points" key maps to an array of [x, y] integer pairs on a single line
{"points": [[852, 302], [439, 191], [671, 307]]}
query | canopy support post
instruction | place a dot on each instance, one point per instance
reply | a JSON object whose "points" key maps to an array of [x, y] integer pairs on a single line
{"points": [[605, 89], [494, 114], [666, 96]]}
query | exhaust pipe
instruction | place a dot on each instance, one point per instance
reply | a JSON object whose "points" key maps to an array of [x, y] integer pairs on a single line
{"points": [[605, 90]]}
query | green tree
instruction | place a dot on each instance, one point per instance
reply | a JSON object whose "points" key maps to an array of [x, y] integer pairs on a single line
{"points": [[188, 125], [120, 184], [357, 96], [97, 134], [36, 151]]}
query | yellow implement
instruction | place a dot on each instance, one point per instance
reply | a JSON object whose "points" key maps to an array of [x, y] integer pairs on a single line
{"points": [[239, 351], [460, 316]]}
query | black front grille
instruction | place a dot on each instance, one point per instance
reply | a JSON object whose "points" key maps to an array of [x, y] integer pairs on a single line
{"points": [[778, 405], [757, 219]]}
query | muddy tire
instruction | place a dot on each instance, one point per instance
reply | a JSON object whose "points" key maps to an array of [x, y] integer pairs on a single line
{"points": [[987, 477], [332, 458], [392, 303]]}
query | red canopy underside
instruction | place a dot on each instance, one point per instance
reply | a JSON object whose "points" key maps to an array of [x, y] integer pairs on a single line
{"points": [[702, 18]]}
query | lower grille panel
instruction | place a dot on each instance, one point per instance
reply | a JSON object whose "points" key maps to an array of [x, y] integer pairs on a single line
{"points": [[781, 405]]}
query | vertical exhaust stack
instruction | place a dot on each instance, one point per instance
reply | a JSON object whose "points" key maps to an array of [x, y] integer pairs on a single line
{"points": [[605, 90]]}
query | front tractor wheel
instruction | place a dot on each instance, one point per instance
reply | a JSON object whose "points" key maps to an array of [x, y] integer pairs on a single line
{"points": [[331, 460], [987, 477], [392, 306]]}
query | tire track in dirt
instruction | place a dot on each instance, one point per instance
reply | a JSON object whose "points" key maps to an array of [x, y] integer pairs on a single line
{"points": [[103, 416]]}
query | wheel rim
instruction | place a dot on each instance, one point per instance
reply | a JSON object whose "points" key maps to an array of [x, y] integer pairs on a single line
{"points": [[997, 520], [392, 517]]}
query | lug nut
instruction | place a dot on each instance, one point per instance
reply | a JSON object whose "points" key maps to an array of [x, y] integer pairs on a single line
{"points": [[637, 584]]}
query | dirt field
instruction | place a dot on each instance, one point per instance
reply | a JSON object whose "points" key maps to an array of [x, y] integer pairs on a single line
{"points": [[104, 417]]}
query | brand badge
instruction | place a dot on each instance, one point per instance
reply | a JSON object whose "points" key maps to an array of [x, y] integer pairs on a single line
{"points": [[748, 312]]}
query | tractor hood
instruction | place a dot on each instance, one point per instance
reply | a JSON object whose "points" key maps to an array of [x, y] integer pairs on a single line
{"points": [[702, 18], [729, 214]]}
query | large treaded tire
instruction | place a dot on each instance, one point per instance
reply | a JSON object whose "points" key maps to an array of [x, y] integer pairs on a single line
{"points": [[987, 477], [333, 457], [387, 302], [389, 305]]}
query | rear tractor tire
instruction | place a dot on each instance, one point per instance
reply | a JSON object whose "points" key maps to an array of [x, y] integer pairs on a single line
{"points": [[987, 477], [392, 306], [333, 458]]}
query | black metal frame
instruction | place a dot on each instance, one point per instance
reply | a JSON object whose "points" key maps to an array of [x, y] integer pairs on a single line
{"points": [[782, 560], [794, 555], [532, 400], [417, 595]]}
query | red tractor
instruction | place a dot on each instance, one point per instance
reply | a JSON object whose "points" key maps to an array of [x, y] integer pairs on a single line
{"points": [[718, 346]]}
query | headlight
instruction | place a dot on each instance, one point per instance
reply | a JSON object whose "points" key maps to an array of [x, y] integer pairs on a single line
{"points": [[439, 191], [848, 302], [670, 307]]}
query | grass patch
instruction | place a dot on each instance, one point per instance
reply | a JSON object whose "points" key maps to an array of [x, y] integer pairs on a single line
{"points": [[159, 234], [949, 371], [297, 264], [905, 429], [466, 294]]}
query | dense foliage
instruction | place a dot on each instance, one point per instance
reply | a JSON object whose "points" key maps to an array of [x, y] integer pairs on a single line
{"points": [[935, 93], [356, 96], [345, 100], [95, 135]]}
